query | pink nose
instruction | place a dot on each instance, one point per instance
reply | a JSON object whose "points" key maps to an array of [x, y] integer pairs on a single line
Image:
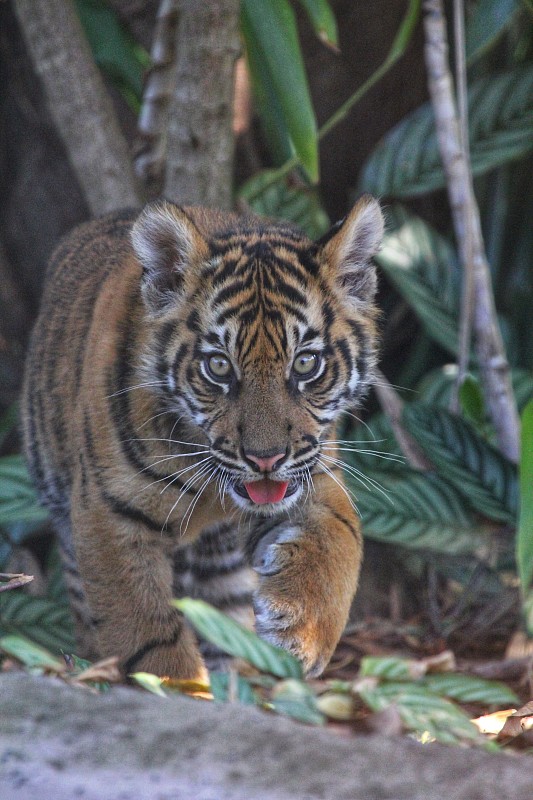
{"points": [[265, 464]]}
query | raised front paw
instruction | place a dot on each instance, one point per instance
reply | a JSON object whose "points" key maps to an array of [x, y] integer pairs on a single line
{"points": [[303, 598]]}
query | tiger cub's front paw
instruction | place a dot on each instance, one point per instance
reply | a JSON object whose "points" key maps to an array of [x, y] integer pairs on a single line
{"points": [[296, 605]]}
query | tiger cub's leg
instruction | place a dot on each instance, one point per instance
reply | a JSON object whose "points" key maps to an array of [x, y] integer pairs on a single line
{"points": [[83, 623], [215, 568], [308, 568], [127, 574]]}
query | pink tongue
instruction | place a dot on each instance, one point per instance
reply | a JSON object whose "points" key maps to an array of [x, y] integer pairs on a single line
{"points": [[266, 491]]}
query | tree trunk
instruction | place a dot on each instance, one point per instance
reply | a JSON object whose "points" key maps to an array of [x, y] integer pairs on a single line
{"points": [[79, 103], [199, 168]]}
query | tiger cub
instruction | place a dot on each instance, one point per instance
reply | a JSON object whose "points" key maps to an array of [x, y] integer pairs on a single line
{"points": [[181, 391]]}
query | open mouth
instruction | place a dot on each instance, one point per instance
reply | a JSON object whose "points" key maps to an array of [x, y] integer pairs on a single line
{"points": [[266, 490]]}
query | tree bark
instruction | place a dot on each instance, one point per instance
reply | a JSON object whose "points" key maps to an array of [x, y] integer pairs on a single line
{"points": [[199, 168], [151, 148], [79, 103], [488, 341]]}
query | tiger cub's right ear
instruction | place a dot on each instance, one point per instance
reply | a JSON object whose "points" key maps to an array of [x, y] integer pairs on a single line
{"points": [[166, 242]]}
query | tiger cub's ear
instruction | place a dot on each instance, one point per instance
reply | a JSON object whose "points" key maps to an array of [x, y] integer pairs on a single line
{"points": [[166, 242], [350, 246]]}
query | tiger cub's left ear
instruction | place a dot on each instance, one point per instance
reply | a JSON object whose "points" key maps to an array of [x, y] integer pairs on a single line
{"points": [[166, 242], [350, 246]]}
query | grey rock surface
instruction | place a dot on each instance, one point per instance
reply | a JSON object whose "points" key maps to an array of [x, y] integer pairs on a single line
{"points": [[65, 743]]}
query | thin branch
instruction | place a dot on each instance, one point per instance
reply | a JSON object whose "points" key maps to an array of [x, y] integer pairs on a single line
{"points": [[13, 581], [149, 160], [392, 406], [467, 296], [490, 352], [78, 103]]}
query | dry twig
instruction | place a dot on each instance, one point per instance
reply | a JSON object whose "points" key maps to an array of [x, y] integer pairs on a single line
{"points": [[11, 581], [488, 342], [392, 405]]}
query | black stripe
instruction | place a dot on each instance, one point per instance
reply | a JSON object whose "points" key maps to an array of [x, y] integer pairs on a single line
{"points": [[124, 509], [129, 664], [355, 531]]}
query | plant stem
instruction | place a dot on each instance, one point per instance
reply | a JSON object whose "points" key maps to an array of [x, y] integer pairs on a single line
{"points": [[467, 297], [493, 363]]}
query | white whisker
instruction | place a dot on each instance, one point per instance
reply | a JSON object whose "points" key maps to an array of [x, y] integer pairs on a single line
{"points": [[144, 385], [190, 510], [364, 480], [346, 491]]}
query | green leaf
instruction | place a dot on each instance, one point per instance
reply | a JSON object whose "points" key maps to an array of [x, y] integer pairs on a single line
{"points": [[471, 400], [485, 478], [30, 654], [295, 699], [391, 668], [407, 163], [113, 49], [323, 21], [227, 687], [524, 540], [522, 380], [236, 640], [273, 51], [423, 712], [8, 420], [18, 499], [47, 623], [486, 24], [418, 511], [469, 689], [152, 683], [297, 204], [423, 268]]}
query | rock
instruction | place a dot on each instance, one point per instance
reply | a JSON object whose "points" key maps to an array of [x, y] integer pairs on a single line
{"points": [[66, 743]]}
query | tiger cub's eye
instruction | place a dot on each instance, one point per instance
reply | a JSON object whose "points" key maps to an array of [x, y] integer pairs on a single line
{"points": [[306, 364], [218, 366]]}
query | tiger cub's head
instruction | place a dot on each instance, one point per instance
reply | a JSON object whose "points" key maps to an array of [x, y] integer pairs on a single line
{"points": [[259, 338]]}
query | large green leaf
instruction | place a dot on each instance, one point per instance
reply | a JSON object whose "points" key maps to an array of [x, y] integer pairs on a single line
{"points": [[18, 499], [281, 200], [273, 50], [423, 712], [524, 541], [487, 23], [114, 50], [43, 621], [417, 510], [463, 688], [407, 162], [423, 267], [485, 478], [30, 654], [238, 641], [469, 689]]}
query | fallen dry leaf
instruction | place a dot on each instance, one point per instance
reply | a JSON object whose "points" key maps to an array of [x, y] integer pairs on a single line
{"points": [[492, 724], [518, 722], [106, 670]]}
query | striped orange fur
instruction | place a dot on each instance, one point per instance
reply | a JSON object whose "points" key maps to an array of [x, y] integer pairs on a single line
{"points": [[185, 371]]}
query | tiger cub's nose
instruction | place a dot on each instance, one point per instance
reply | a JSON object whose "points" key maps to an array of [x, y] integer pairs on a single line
{"points": [[265, 464]]}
